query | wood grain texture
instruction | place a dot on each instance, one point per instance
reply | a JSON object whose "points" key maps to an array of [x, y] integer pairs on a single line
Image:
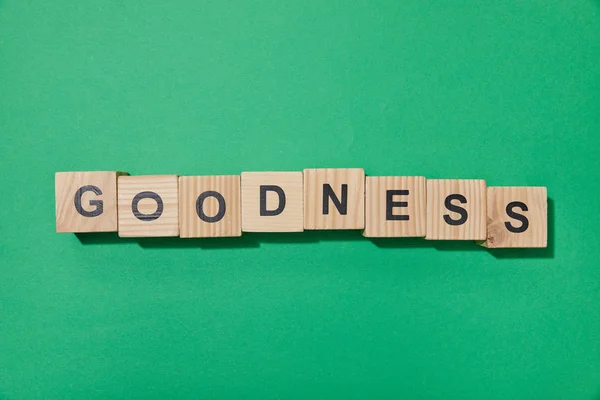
{"points": [[376, 206], [291, 218], [191, 187], [536, 231], [68, 219], [165, 186], [474, 191], [314, 217]]}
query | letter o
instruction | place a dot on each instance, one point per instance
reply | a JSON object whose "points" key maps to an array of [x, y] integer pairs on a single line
{"points": [[147, 195], [200, 203]]}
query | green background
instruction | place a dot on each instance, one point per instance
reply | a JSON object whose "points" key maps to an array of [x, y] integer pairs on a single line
{"points": [[507, 91]]}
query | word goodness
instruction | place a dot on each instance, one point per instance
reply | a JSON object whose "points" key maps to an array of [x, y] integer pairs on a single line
{"points": [[343, 198]]}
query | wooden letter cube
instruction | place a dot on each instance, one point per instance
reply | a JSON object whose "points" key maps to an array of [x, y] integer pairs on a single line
{"points": [[456, 209], [86, 201], [210, 206], [148, 206], [517, 217], [334, 198], [395, 206], [272, 202]]}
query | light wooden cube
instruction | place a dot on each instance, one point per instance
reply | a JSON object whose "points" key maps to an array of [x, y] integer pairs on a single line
{"points": [[334, 198], [86, 201], [517, 217], [456, 209], [148, 206], [272, 202], [395, 206], [210, 206]]}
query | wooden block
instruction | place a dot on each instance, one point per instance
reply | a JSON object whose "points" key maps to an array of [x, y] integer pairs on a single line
{"points": [[517, 217], [456, 209], [210, 206], [395, 206], [334, 198], [86, 201], [272, 202], [148, 206]]}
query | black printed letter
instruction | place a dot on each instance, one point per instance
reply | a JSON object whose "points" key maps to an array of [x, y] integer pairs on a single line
{"points": [[390, 204], [147, 195], [342, 206], [456, 209], [200, 210], [518, 217], [263, 200], [98, 203]]}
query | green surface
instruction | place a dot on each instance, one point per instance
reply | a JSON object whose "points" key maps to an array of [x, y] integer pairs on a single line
{"points": [[507, 91]]}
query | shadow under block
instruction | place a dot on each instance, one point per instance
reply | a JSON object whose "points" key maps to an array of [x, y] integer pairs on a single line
{"points": [[456, 209], [210, 206], [334, 198], [517, 217], [148, 206], [86, 201], [272, 202], [395, 206]]}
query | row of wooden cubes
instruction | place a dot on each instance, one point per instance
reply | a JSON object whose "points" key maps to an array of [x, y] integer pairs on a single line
{"points": [[227, 205]]}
